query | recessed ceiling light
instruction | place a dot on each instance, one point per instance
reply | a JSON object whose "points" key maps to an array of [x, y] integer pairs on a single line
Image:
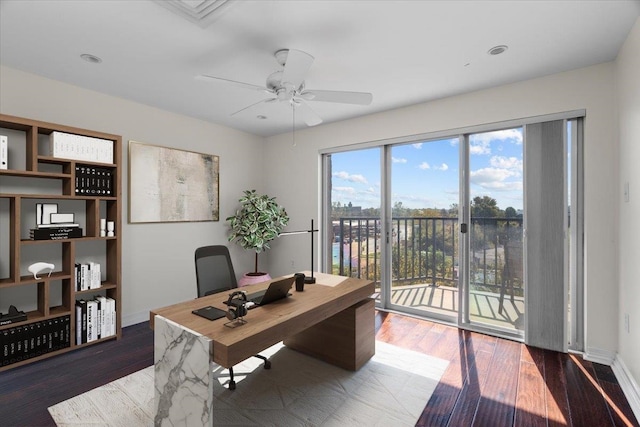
{"points": [[261, 117], [497, 50], [91, 58]]}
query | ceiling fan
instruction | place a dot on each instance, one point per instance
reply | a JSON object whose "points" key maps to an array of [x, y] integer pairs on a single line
{"points": [[288, 85]]}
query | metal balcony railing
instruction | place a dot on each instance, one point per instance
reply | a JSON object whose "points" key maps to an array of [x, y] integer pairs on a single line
{"points": [[425, 250]]}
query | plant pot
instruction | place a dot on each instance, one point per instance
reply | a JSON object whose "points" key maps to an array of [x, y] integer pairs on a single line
{"points": [[251, 278]]}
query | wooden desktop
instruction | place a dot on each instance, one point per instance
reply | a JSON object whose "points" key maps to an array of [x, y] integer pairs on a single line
{"points": [[332, 319]]}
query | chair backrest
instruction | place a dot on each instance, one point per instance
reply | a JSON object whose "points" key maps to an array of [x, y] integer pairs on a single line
{"points": [[514, 262], [214, 270]]}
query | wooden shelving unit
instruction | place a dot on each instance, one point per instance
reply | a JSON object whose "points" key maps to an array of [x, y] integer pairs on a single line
{"points": [[51, 180]]}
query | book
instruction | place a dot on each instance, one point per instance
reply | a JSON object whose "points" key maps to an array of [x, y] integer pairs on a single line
{"points": [[94, 275], [44, 211], [83, 320], [104, 315], [93, 181], [76, 276], [111, 316], [78, 324], [34, 339], [55, 233], [92, 318], [84, 283], [59, 225], [4, 347], [78, 147], [4, 152]]}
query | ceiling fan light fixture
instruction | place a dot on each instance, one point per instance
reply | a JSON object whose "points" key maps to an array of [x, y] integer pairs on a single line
{"points": [[497, 50], [281, 56], [91, 58]]}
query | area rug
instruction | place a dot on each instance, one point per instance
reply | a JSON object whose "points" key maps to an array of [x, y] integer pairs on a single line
{"points": [[391, 389]]}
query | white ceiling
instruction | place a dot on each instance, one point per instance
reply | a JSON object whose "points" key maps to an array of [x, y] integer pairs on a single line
{"points": [[403, 52]]}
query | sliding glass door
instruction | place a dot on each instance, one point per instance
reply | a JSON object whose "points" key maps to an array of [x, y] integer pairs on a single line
{"points": [[494, 289], [352, 205], [424, 244], [443, 225]]}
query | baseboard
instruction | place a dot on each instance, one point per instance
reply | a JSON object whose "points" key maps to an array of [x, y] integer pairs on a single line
{"points": [[134, 319], [597, 355], [628, 384]]}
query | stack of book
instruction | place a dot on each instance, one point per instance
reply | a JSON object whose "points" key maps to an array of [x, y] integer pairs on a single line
{"points": [[94, 181], [95, 319], [32, 340], [78, 147], [87, 276], [55, 231]]}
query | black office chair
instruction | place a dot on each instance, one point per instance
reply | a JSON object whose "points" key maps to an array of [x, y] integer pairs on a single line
{"points": [[214, 273]]}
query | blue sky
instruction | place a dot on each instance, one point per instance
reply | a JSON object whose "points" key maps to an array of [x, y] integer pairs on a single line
{"points": [[425, 174]]}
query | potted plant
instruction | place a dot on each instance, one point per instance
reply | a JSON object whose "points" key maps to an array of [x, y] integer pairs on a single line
{"points": [[258, 221]]}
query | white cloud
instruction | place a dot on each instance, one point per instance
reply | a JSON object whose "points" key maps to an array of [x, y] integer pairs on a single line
{"points": [[417, 145], [495, 179], [442, 167], [348, 177], [365, 198], [480, 143], [398, 160], [510, 135], [510, 163], [479, 147], [343, 191], [424, 166]]}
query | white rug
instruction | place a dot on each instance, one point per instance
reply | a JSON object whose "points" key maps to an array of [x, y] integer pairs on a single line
{"points": [[391, 389]]}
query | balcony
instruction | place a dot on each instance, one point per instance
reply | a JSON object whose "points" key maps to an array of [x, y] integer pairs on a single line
{"points": [[425, 271]]}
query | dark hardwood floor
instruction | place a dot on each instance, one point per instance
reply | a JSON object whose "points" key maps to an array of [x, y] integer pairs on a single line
{"points": [[489, 381]]}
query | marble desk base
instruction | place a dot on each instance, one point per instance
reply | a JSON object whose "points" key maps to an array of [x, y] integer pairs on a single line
{"points": [[183, 376]]}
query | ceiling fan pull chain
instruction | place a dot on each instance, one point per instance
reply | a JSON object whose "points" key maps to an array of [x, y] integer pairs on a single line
{"points": [[293, 107]]}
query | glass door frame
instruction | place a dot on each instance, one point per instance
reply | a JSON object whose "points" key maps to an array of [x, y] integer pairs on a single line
{"points": [[462, 320]]}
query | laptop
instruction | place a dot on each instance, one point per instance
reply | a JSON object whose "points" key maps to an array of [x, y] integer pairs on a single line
{"points": [[276, 291]]}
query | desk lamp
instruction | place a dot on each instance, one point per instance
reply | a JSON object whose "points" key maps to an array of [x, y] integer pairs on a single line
{"points": [[311, 279]]}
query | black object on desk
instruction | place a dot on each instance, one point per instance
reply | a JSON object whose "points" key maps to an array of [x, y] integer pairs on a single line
{"points": [[210, 313]]}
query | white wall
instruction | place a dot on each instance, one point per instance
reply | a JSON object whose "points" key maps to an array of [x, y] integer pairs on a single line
{"points": [[157, 259], [590, 88], [628, 89]]}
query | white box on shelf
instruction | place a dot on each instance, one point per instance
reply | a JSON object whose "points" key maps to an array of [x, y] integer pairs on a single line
{"points": [[77, 147], [4, 152], [62, 218], [44, 211]]}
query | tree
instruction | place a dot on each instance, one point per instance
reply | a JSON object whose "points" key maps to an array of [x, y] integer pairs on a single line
{"points": [[399, 209], [510, 212], [486, 207]]}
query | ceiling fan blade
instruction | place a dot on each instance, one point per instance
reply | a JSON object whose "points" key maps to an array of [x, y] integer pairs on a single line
{"points": [[208, 78], [253, 105], [296, 67], [310, 117], [359, 98]]}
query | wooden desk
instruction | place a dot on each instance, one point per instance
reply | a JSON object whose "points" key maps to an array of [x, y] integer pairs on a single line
{"points": [[332, 319], [282, 319]]}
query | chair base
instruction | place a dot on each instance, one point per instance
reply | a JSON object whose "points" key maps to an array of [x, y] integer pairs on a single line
{"points": [[232, 383]]}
